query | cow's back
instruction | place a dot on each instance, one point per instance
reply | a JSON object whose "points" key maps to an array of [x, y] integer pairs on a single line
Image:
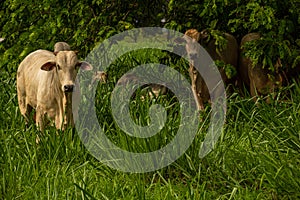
{"points": [[35, 60], [244, 62], [231, 53], [30, 73]]}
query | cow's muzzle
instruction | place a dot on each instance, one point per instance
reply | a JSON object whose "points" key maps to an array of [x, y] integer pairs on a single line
{"points": [[68, 88], [193, 56]]}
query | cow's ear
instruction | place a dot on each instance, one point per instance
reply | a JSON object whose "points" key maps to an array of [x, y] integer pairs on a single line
{"points": [[84, 66], [48, 66], [197, 36]]}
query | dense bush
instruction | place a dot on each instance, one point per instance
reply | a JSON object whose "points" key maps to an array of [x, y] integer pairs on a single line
{"points": [[29, 25]]}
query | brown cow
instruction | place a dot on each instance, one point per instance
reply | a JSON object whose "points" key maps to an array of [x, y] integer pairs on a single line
{"points": [[228, 55], [46, 82], [154, 89], [260, 80], [99, 76]]}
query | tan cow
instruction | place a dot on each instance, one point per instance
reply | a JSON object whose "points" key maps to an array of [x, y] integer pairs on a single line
{"points": [[46, 83], [228, 55], [260, 80]]}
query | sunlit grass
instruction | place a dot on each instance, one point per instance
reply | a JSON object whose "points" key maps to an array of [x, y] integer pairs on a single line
{"points": [[256, 157]]}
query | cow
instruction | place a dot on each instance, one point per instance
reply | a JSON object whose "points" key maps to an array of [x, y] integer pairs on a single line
{"points": [[228, 55], [154, 90], [46, 82], [259, 79], [99, 76]]}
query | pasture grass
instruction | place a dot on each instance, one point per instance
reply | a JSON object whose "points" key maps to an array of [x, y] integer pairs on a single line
{"points": [[256, 157]]}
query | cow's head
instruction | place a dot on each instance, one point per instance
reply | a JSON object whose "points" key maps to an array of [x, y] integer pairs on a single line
{"points": [[193, 33], [100, 76], [66, 66], [190, 41], [192, 47]]}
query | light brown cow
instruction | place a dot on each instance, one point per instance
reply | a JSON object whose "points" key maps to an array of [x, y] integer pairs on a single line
{"points": [[46, 82], [228, 55], [260, 80]]}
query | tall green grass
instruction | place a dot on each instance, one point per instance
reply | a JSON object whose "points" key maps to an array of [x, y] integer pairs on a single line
{"points": [[256, 157]]}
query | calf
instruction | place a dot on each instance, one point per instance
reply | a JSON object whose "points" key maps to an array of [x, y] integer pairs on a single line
{"points": [[155, 90], [46, 82], [261, 80], [228, 55], [99, 76]]}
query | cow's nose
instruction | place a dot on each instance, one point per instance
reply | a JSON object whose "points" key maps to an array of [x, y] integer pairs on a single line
{"points": [[68, 88]]}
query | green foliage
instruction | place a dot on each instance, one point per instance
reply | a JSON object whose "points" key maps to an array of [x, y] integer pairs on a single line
{"points": [[30, 25], [230, 70], [276, 21], [218, 36]]}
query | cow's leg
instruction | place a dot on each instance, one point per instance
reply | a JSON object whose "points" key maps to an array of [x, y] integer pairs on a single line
{"points": [[67, 111], [40, 118], [21, 95], [68, 119], [28, 114], [59, 114], [22, 106], [253, 91], [199, 101], [59, 119], [75, 102], [75, 115], [25, 109], [196, 87]]}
